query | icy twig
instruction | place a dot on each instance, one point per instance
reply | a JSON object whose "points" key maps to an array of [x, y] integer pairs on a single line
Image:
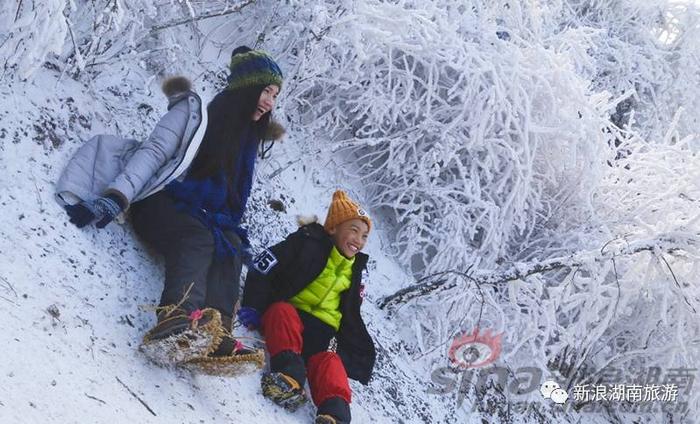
{"points": [[19, 7], [673, 274], [95, 398], [8, 287], [131, 392]]}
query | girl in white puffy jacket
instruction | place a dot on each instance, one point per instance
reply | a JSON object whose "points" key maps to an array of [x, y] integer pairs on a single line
{"points": [[186, 188]]}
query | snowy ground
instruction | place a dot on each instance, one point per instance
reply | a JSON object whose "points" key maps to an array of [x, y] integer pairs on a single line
{"points": [[74, 300]]}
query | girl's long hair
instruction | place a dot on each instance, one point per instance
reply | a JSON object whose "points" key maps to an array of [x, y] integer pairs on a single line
{"points": [[229, 126]]}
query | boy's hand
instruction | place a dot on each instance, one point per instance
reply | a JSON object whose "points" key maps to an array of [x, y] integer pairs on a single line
{"points": [[249, 317]]}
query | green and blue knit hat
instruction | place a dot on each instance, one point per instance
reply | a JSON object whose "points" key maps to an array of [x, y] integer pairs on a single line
{"points": [[253, 67]]}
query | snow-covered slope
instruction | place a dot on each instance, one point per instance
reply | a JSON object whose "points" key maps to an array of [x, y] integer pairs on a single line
{"points": [[76, 302], [524, 149]]}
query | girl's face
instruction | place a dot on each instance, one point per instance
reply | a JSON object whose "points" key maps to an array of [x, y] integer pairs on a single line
{"points": [[266, 102]]}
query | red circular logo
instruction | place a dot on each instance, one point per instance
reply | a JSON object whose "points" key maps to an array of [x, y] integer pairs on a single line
{"points": [[475, 350]]}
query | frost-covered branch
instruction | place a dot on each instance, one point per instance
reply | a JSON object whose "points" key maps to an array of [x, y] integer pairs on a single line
{"points": [[479, 133], [470, 145], [78, 35], [226, 11], [666, 243]]}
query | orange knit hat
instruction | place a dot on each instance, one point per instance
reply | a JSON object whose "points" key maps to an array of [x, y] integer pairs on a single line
{"points": [[344, 209]]}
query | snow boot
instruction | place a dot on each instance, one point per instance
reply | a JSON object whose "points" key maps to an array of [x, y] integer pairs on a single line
{"points": [[230, 346], [179, 336], [231, 357], [335, 410], [283, 390], [328, 419]]}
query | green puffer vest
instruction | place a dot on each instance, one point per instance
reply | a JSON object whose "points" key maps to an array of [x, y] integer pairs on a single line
{"points": [[321, 298]]}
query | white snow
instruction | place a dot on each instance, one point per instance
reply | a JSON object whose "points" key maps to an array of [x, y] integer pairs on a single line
{"points": [[79, 364], [576, 138]]}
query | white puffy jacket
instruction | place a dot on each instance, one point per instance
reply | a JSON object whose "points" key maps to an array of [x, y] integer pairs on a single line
{"points": [[131, 169]]}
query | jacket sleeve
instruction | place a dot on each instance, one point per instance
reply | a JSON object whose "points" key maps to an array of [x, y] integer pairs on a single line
{"points": [[268, 269], [152, 154]]}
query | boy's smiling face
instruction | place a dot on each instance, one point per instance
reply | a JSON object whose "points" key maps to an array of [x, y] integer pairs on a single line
{"points": [[350, 236]]}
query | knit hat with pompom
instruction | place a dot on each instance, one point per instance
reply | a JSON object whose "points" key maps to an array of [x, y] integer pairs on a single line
{"points": [[344, 209], [252, 67]]}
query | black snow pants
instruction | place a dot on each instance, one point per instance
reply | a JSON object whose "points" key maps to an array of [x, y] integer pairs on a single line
{"points": [[188, 247]]}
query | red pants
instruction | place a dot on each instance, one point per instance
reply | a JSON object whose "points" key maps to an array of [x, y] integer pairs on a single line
{"points": [[284, 331]]}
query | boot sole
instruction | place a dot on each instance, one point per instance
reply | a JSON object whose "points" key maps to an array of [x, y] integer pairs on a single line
{"points": [[227, 366]]}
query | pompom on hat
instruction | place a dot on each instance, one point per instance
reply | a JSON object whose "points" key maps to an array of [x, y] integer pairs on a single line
{"points": [[344, 209], [252, 67]]}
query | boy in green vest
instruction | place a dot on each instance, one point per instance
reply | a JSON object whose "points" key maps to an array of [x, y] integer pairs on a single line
{"points": [[305, 294]]}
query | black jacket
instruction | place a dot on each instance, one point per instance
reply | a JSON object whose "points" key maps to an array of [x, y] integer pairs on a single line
{"points": [[285, 269]]}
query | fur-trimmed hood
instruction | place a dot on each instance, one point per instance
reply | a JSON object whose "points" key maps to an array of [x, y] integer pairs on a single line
{"points": [[275, 131], [306, 220], [177, 87]]}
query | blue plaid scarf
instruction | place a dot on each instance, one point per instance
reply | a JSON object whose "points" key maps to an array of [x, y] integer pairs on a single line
{"points": [[208, 200]]}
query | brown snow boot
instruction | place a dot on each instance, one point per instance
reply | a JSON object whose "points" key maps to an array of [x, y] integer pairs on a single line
{"points": [[327, 419], [231, 357], [179, 336], [333, 411]]}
